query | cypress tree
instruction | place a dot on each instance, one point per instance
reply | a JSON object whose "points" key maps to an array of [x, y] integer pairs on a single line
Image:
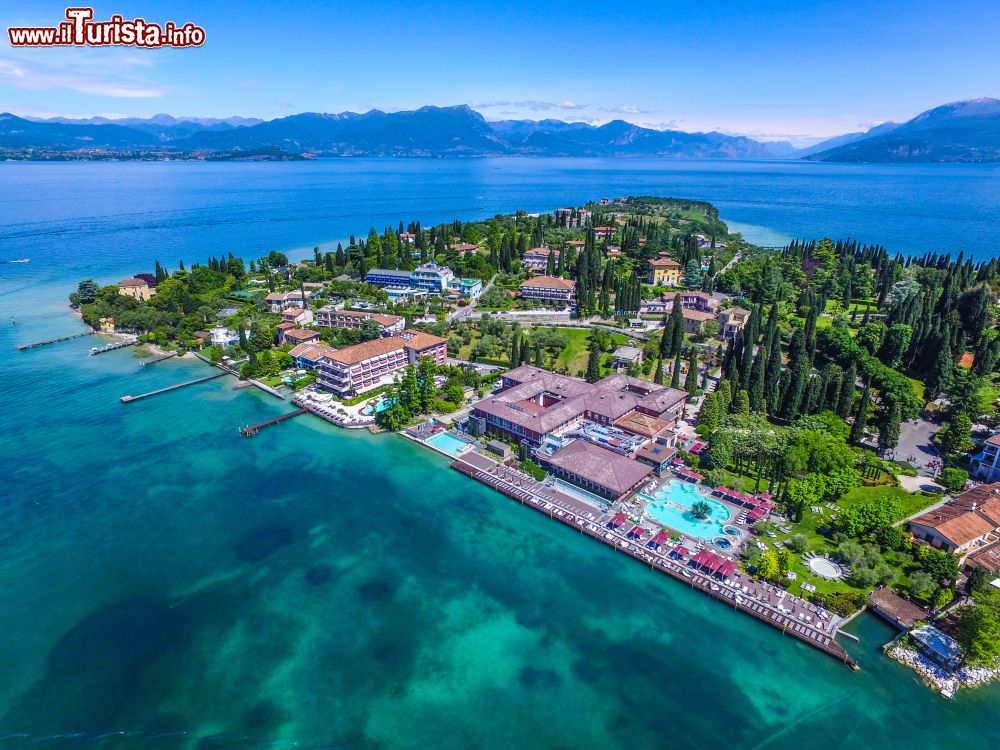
{"points": [[593, 365], [861, 416], [888, 431], [658, 372], [675, 377], [691, 381], [939, 377], [677, 326], [847, 387], [708, 415], [665, 339]]}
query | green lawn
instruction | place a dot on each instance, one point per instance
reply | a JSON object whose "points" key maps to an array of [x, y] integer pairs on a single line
{"points": [[811, 523], [573, 359], [918, 387]]}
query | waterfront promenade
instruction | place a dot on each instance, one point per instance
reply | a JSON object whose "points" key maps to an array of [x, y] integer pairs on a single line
{"points": [[769, 604]]}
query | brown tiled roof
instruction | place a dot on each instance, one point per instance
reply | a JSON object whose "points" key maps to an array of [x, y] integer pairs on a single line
{"points": [[351, 355], [611, 398], [311, 351], [132, 282], [642, 424], [285, 325], [698, 315], [958, 525], [386, 320], [600, 466], [985, 499], [968, 359], [664, 263], [293, 311], [543, 251], [302, 334], [419, 341], [463, 246], [549, 282], [988, 558], [656, 453]]}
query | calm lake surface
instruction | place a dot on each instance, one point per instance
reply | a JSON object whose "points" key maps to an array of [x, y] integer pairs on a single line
{"points": [[169, 584]]}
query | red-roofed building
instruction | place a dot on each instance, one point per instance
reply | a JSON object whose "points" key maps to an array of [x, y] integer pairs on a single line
{"points": [[550, 289]]}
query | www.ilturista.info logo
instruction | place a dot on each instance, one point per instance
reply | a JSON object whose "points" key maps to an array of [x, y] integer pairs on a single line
{"points": [[80, 30]]}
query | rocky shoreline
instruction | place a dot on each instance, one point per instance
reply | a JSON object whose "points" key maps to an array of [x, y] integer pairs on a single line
{"points": [[947, 683]]}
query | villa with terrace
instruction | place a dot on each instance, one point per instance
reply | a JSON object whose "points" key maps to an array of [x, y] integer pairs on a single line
{"points": [[537, 258], [986, 463], [279, 301]]}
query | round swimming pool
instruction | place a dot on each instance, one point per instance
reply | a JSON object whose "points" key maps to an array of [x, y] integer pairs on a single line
{"points": [[732, 531], [723, 542]]}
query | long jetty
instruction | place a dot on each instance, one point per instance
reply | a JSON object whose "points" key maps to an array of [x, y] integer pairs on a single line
{"points": [[825, 642], [253, 429], [158, 391], [22, 347]]}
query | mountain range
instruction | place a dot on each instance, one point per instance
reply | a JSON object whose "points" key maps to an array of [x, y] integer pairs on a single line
{"points": [[966, 131]]}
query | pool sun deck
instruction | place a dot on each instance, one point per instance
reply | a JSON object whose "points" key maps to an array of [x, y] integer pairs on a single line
{"points": [[766, 603]]}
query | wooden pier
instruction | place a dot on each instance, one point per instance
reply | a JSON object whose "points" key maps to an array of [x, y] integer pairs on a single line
{"points": [[22, 347], [680, 571], [253, 429], [168, 355], [213, 376], [112, 347]]}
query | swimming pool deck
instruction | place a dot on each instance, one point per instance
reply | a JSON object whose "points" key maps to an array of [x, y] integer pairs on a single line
{"points": [[759, 600]]}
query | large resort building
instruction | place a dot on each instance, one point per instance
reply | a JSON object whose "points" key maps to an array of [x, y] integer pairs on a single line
{"points": [[429, 278], [360, 368], [617, 417], [330, 316], [551, 290]]}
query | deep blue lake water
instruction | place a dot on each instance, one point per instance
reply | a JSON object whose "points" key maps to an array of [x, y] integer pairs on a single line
{"points": [[169, 584]]}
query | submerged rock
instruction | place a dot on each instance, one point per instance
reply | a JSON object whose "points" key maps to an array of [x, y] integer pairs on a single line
{"points": [[261, 544], [319, 575]]}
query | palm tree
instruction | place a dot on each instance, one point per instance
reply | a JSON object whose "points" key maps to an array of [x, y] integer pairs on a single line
{"points": [[700, 509]]}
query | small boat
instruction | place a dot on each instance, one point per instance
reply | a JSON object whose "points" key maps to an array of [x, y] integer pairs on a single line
{"points": [[22, 260]]}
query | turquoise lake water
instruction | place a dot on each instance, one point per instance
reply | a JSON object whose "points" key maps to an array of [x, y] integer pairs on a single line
{"points": [[170, 584]]}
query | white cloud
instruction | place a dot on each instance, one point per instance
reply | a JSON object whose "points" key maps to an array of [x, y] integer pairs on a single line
{"points": [[533, 105], [86, 71], [626, 109]]}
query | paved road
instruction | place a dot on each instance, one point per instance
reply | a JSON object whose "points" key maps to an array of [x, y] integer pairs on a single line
{"points": [[464, 312], [481, 369], [915, 439]]}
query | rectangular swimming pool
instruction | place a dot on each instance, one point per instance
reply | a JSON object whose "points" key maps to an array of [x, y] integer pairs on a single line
{"points": [[448, 443]]}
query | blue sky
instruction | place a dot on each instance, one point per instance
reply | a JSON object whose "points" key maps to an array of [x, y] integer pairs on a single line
{"points": [[773, 70]]}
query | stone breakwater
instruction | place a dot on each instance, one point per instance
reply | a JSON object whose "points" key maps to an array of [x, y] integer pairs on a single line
{"points": [[939, 677]]}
